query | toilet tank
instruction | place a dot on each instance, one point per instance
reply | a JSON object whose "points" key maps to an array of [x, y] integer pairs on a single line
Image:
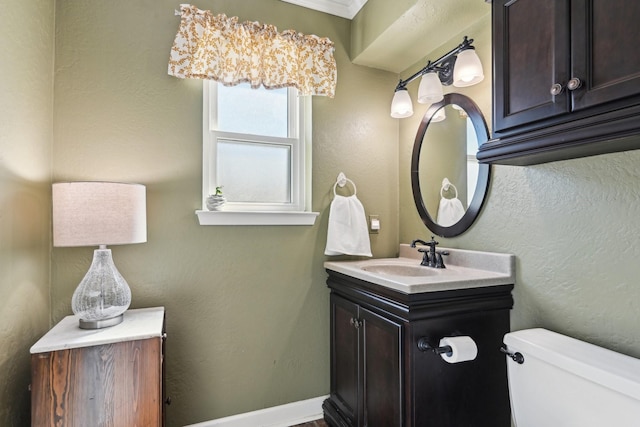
{"points": [[565, 382]]}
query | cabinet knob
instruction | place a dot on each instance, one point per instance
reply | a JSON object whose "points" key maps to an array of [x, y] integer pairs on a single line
{"points": [[556, 89], [355, 323], [574, 83], [167, 401]]}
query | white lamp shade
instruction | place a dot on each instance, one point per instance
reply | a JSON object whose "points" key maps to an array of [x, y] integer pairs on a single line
{"points": [[430, 89], [98, 213], [439, 116], [468, 69], [401, 106]]}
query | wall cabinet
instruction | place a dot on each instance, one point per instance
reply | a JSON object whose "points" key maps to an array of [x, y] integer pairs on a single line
{"points": [[110, 377], [379, 377], [566, 80]]}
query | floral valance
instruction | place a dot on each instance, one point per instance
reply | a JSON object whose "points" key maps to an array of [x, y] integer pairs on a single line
{"points": [[217, 47]]}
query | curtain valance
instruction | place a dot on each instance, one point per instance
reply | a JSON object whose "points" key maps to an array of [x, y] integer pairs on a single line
{"points": [[217, 47]]}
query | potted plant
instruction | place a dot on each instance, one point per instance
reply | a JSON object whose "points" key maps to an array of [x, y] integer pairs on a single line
{"points": [[216, 201]]}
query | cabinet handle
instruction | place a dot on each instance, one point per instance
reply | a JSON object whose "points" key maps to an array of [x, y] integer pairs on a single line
{"points": [[574, 83], [355, 322], [556, 89], [167, 401]]}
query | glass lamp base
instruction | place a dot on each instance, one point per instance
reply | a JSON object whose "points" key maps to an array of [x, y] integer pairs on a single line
{"points": [[103, 295], [102, 323]]}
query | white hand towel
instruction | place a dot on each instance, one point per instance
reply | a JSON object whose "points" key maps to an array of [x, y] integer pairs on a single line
{"points": [[449, 211], [347, 233]]}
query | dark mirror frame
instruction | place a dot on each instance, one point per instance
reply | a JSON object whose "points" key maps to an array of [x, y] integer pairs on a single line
{"points": [[484, 172]]}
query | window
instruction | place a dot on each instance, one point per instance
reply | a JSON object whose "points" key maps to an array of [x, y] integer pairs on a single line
{"points": [[257, 146]]}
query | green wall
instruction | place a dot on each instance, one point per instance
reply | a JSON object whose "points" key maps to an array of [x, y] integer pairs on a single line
{"points": [[573, 226], [247, 307], [26, 117]]}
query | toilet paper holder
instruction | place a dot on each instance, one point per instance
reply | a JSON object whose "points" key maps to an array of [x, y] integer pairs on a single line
{"points": [[423, 345]]}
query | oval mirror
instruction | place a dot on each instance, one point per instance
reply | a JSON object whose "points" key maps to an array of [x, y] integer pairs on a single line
{"points": [[449, 185]]}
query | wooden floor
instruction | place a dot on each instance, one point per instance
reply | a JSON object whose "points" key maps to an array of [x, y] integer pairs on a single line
{"points": [[316, 423]]}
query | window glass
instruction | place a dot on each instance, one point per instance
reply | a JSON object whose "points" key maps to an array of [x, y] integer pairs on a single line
{"points": [[253, 111], [254, 172]]}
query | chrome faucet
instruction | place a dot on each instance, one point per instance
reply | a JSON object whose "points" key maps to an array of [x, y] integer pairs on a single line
{"points": [[430, 257]]}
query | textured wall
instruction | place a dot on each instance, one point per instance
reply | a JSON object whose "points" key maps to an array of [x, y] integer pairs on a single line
{"points": [[26, 116], [247, 307], [392, 35], [573, 226]]}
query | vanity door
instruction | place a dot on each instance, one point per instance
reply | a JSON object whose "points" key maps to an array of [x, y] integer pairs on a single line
{"points": [[382, 397], [345, 375], [366, 368]]}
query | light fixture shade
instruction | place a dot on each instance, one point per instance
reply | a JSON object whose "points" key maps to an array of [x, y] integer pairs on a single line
{"points": [[439, 116], [468, 69], [98, 213], [430, 89], [401, 106]]}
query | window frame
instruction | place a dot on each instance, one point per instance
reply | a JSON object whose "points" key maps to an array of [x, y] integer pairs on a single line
{"points": [[298, 211]]}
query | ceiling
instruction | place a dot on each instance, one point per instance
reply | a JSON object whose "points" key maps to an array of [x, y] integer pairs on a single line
{"points": [[343, 8]]}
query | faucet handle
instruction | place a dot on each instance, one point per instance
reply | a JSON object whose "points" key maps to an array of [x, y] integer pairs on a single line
{"points": [[439, 261], [425, 257]]}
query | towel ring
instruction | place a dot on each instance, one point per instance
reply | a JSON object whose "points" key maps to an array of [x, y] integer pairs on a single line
{"points": [[446, 184], [342, 181]]}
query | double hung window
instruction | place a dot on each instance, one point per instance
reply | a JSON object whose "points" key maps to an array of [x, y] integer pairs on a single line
{"points": [[257, 148]]}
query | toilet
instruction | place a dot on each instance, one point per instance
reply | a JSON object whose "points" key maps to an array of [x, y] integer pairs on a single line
{"points": [[564, 382]]}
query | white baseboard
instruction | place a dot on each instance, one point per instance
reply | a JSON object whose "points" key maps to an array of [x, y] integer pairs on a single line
{"points": [[277, 416]]}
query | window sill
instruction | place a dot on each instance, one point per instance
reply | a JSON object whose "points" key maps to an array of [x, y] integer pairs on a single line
{"points": [[255, 218]]}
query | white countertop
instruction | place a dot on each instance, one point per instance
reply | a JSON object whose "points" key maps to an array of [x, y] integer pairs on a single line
{"points": [[138, 324], [465, 269]]}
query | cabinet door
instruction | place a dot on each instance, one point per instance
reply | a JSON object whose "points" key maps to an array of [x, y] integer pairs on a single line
{"points": [[344, 357], [382, 370], [530, 54], [111, 385], [606, 57]]}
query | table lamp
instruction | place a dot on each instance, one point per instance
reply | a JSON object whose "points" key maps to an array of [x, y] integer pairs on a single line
{"points": [[99, 214]]}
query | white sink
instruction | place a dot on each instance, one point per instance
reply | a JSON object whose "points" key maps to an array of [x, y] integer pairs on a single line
{"points": [[464, 269]]}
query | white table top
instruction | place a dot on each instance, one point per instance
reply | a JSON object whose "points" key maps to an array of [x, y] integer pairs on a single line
{"points": [[138, 324]]}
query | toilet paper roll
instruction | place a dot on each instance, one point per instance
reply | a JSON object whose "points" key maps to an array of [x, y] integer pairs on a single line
{"points": [[462, 349]]}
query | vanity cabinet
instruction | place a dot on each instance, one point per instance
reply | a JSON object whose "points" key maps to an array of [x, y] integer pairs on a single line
{"points": [[566, 80], [379, 377], [111, 377]]}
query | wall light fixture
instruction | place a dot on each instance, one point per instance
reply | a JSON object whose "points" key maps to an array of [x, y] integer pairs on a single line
{"points": [[460, 66]]}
